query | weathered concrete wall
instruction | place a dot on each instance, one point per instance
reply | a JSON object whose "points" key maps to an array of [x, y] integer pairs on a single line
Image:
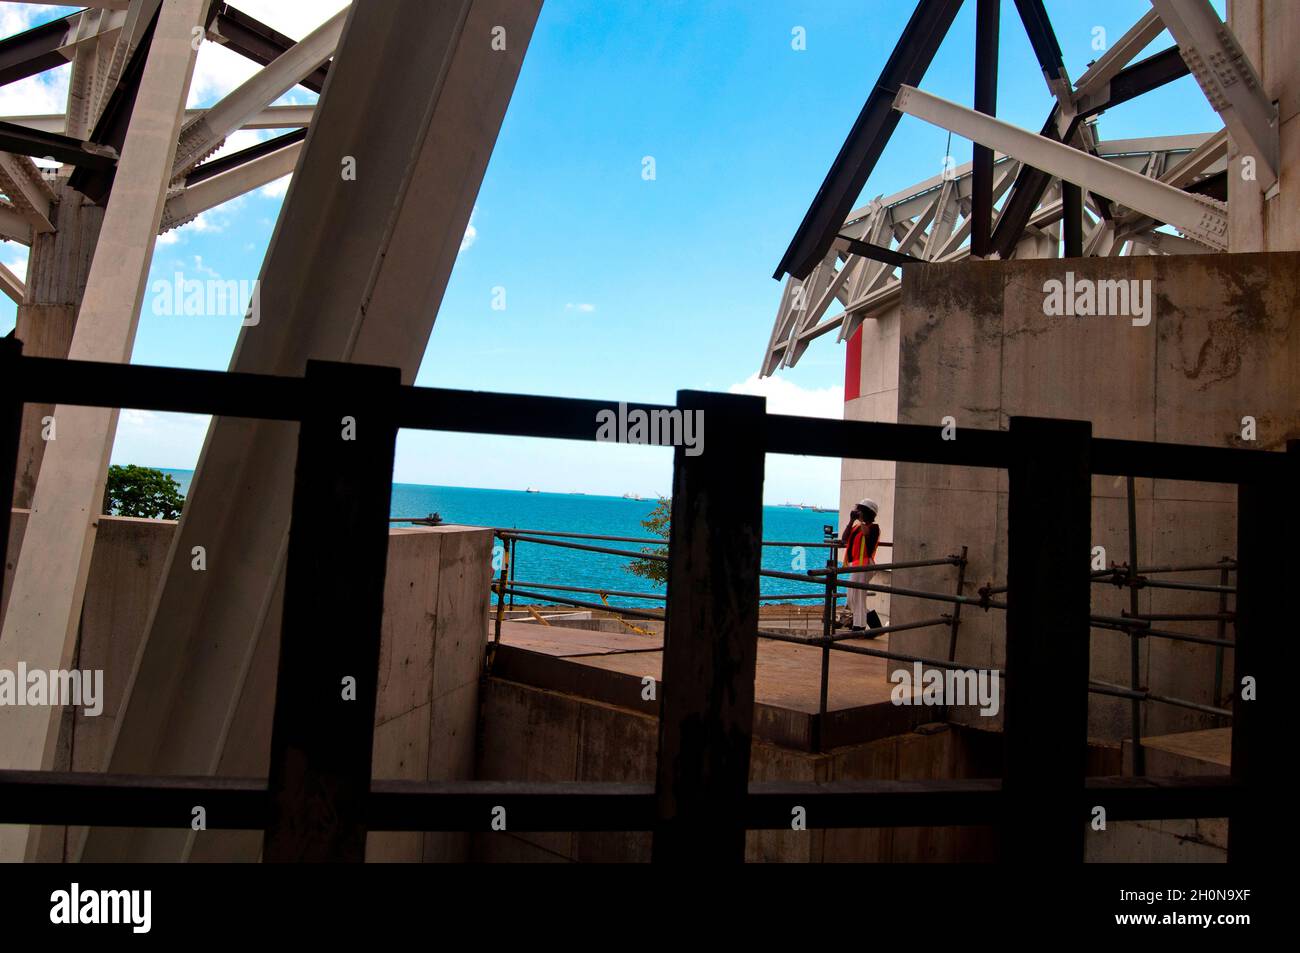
{"points": [[876, 342], [431, 658], [532, 734], [976, 345]]}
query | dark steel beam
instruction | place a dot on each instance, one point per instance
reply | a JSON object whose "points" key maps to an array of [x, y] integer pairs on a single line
{"points": [[1042, 38], [1141, 77], [322, 736], [25, 141], [706, 718], [880, 253], [251, 38], [1072, 219], [1027, 192], [233, 161], [107, 800], [1045, 729], [987, 17], [34, 51], [867, 139]]}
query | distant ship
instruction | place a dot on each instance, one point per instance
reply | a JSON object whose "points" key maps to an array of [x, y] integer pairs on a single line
{"points": [[531, 490], [633, 496]]}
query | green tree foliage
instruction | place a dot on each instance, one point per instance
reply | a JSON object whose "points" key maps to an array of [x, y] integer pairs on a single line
{"points": [[658, 523], [142, 492]]}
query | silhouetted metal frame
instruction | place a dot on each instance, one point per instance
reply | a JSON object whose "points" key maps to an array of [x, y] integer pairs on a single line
{"points": [[1048, 461]]}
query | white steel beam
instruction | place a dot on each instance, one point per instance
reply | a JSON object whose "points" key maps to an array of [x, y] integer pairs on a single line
{"points": [[30, 194], [44, 611], [272, 117], [1203, 219], [355, 271], [1228, 79], [11, 284], [192, 201], [14, 226], [1095, 81], [202, 136]]}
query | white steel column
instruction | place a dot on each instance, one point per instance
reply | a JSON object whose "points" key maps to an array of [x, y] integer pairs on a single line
{"points": [[40, 625], [355, 271]]}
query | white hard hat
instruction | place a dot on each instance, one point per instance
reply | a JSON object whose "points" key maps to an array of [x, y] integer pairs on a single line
{"points": [[871, 505]]}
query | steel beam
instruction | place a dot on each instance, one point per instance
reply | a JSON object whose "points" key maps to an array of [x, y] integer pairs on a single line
{"points": [[12, 285], [30, 194], [51, 145], [355, 272], [986, 101], [204, 135], [1120, 53], [1203, 219], [1132, 81], [1228, 80], [273, 117], [251, 38], [867, 139], [44, 610], [211, 191]]}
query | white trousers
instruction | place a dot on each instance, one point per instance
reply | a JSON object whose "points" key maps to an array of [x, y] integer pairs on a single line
{"points": [[858, 597]]}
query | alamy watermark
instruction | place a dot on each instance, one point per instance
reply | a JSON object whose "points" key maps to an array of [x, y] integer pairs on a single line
{"points": [[947, 687], [179, 296], [59, 688], [1086, 297], [672, 427]]}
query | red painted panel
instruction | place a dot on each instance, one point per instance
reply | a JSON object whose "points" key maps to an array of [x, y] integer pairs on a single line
{"points": [[853, 366]]}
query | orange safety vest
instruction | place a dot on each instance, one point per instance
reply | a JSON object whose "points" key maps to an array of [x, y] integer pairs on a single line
{"points": [[860, 544]]}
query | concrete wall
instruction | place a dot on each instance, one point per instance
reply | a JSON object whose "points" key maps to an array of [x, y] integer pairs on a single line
{"points": [[976, 345], [533, 734], [431, 659], [875, 357]]}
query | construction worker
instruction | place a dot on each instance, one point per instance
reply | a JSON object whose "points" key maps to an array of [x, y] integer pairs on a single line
{"points": [[861, 538]]}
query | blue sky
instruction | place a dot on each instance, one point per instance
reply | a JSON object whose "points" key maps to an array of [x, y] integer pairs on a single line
{"points": [[618, 287]]}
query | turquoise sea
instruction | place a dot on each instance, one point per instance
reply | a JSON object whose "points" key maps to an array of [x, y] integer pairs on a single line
{"points": [[598, 515]]}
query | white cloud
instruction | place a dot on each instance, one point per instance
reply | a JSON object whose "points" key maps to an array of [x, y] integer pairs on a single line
{"points": [[276, 188], [15, 258], [582, 306], [219, 70], [151, 439], [169, 238], [471, 233], [786, 397]]}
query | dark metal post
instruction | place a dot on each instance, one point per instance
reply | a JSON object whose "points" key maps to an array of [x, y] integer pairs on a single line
{"points": [[11, 422], [1267, 521], [1221, 633], [323, 733], [1072, 218], [711, 633], [986, 101], [512, 547], [828, 629], [1046, 708], [1134, 637]]}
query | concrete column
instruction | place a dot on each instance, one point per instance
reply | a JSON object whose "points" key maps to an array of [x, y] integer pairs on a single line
{"points": [[56, 279]]}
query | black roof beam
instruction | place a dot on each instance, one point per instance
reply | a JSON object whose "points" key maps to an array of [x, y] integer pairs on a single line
{"points": [[217, 166], [23, 140], [867, 139], [1141, 77], [34, 51], [255, 40]]}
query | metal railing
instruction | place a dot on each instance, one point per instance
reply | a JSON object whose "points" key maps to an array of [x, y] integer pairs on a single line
{"points": [[319, 800]]}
